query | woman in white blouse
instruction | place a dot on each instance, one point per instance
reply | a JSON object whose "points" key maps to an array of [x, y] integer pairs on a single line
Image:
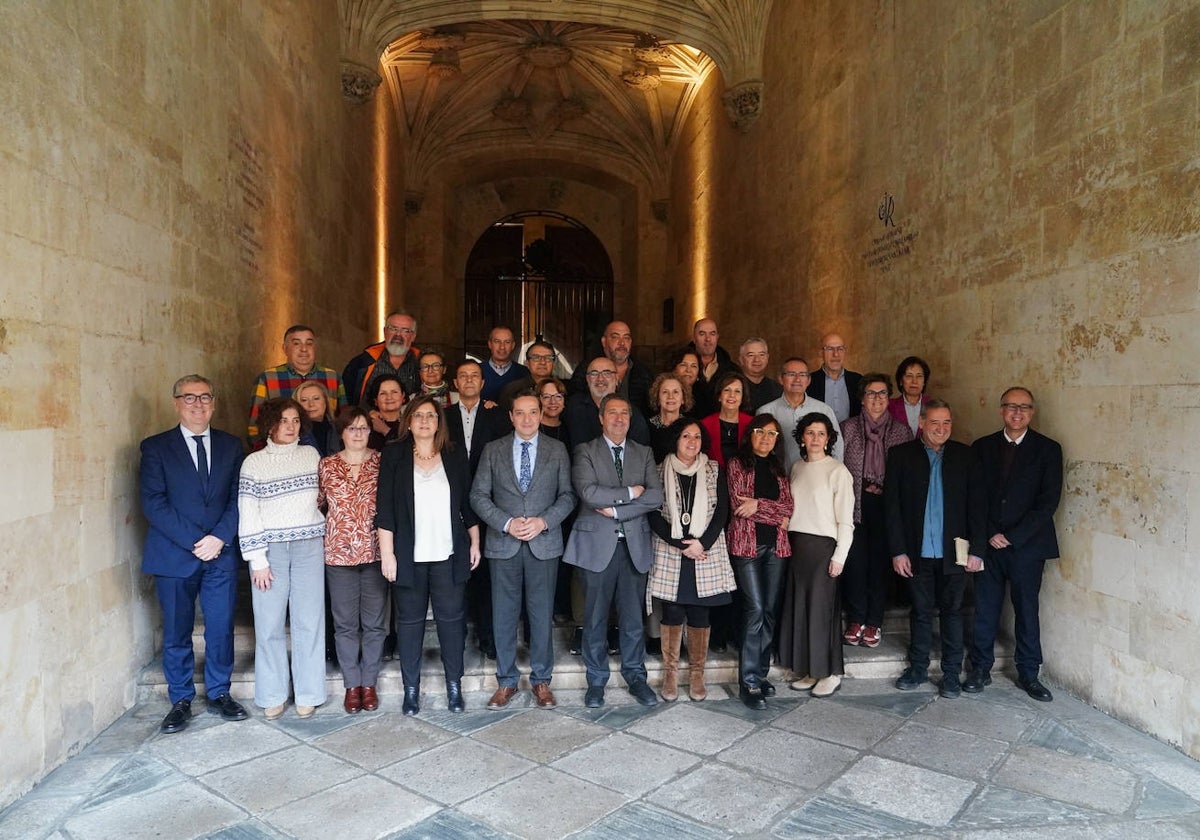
{"points": [[429, 543], [820, 533]]}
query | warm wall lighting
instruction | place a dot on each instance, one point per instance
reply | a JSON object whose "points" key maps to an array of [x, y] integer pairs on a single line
{"points": [[382, 115]]}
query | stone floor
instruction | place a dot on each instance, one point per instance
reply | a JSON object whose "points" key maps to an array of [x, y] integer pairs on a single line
{"points": [[869, 762]]}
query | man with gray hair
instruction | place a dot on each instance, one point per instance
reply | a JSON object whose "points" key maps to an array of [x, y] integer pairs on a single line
{"points": [[754, 359], [396, 355]]}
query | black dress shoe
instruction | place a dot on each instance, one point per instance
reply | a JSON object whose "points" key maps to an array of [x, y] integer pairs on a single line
{"points": [[653, 646], [412, 700], [975, 682], [768, 690], [593, 698], [454, 698], [910, 679], [1035, 689], [577, 642], [178, 718], [643, 693], [752, 697], [227, 708], [950, 687], [614, 641]]}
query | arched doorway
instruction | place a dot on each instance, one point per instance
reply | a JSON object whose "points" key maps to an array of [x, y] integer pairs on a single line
{"points": [[545, 275]]}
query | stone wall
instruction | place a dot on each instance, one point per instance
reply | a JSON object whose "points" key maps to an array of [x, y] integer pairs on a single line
{"points": [[175, 193], [1009, 190]]}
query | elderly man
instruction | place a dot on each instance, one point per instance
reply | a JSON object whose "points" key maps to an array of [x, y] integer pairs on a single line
{"points": [[633, 378], [754, 359], [1022, 476], [929, 503], [833, 384], [618, 486], [794, 404], [715, 362], [300, 350], [581, 417], [522, 490], [189, 482], [395, 355], [500, 369]]}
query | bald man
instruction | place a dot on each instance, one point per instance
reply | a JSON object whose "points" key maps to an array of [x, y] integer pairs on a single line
{"points": [[832, 384]]}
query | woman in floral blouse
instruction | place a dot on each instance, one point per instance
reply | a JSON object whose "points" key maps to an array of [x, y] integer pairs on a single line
{"points": [[358, 592]]}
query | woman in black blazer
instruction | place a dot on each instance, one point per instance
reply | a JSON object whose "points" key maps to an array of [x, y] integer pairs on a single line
{"points": [[429, 543]]}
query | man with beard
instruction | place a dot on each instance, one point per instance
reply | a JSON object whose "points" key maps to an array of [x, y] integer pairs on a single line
{"points": [[395, 354]]}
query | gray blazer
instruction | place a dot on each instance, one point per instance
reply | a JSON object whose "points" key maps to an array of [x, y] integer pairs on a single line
{"points": [[594, 537], [496, 497]]}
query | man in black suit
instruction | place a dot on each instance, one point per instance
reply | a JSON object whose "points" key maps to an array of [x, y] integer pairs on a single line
{"points": [[929, 501], [472, 425], [581, 417], [633, 378], [832, 384], [1022, 475]]}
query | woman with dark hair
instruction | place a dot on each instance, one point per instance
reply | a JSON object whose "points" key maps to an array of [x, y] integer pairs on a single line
{"points": [[358, 592], [820, 531], [429, 543], [313, 397], [912, 378], [431, 368], [552, 394], [727, 425], [866, 439], [281, 532], [670, 398], [387, 399], [691, 571], [761, 500]]}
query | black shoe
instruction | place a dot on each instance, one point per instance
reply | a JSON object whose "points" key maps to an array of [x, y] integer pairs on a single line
{"points": [[768, 690], [389, 646], [614, 641], [653, 646], [715, 644], [950, 687], [178, 718], [643, 693], [454, 698], [412, 700], [227, 708], [577, 642], [1035, 689], [975, 682], [752, 697], [910, 679], [593, 698]]}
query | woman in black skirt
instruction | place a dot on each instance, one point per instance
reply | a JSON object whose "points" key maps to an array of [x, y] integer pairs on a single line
{"points": [[820, 532]]}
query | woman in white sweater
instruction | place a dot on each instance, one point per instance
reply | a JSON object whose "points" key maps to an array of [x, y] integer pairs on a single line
{"points": [[820, 533], [281, 533]]}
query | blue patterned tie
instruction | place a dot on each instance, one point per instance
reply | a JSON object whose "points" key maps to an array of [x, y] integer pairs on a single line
{"points": [[526, 477]]}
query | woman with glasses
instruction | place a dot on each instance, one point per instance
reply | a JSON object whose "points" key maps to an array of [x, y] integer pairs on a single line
{"points": [[912, 377], [552, 394], [670, 399], [760, 499], [429, 543], [281, 532], [431, 367], [358, 592], [867, 438], [387, 397]]}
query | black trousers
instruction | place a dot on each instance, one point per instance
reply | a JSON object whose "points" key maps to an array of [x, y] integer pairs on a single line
{"points": [[930, 587], [1023, 576], [760, 582], [868, 572], [432, 582], [623, 584]]}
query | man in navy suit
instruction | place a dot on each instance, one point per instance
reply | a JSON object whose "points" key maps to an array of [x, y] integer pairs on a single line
{"points": [[189, 481], [1022, 474]]}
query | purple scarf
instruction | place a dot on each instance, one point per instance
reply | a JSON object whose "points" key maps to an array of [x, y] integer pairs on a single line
{"points": [[874, 458]]}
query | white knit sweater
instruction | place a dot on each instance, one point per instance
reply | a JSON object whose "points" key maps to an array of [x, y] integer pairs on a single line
{"points": [[824, 502], [277, 499]]}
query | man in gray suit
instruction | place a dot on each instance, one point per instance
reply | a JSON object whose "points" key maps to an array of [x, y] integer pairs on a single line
{"points": [[618, 485], [522, 490]]}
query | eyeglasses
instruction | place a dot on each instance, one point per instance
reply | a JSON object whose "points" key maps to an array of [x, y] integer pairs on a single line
{"points": [[358, 430], [432, 366], [1023, 408], [192, 399], [541, 357], [552, 398], [405, 330], [834, 348], [425, 415], [795, 374], [875, 394], [596, 374], [771, 433]]}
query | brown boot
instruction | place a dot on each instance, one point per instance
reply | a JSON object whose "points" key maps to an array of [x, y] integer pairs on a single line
{"points": [[697, 655], [672, 636]]}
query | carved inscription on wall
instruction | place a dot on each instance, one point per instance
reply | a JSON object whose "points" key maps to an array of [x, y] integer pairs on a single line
{"points": [[248, 165], [893, 242]]}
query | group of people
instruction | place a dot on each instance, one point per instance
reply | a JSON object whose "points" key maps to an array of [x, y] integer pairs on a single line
{"points": [[705, 505]]}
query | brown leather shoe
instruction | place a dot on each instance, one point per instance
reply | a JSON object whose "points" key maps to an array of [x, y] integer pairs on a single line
{"points": [[502, 697], [353, 702], [544, 696], [370, 700]]}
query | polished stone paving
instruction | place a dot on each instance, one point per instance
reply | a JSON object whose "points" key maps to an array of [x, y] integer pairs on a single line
{"points": [[869, 762]]}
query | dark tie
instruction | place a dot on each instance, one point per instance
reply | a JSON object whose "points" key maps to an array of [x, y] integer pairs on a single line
{"points": [[201, 461], [526, 477], [617, 463]]}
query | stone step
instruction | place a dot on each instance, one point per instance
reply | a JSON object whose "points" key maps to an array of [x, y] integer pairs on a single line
{"points": [[884, 662]]}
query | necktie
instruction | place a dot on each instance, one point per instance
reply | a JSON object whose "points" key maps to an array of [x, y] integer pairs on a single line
{"points": [[201, 461], [526, 476], [617, 463]]}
